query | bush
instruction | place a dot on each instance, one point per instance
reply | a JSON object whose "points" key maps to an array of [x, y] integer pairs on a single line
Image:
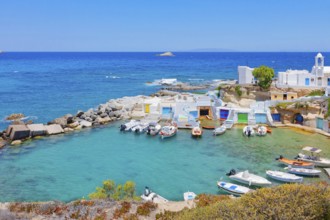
{"points": [[264, 75], [124, 209], [316, 93], [238, 91], [146, 208], [109, 190], [288, 201]]}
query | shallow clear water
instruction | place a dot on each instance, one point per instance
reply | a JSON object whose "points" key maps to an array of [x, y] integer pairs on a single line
{"points": [[70, 166]]}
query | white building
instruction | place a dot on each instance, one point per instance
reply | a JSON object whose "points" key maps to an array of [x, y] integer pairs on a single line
{"points": [[245, 75], [319, 77]]}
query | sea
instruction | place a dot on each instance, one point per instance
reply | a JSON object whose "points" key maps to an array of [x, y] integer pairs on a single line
{"points": [[44, 86]]}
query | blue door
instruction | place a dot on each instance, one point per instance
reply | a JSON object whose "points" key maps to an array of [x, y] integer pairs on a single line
{"points": [[306, 81], [224, 114], [319, 123], [261, 118], [328, 81], [194, 114], [276, 117]]}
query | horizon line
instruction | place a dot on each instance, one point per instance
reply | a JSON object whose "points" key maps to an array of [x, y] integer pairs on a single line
{"points": [[179, 51]]}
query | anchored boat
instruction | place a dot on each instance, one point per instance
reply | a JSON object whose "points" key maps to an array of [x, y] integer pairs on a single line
{"points": [[189, 196], [284, 177], [303, 171], [153, 129], [248, 131], [148, 195], [295, 163], [248, 178], [261, 131], [168, 131], [196, 132], [314, 157], [233, 188], [220, 130]]}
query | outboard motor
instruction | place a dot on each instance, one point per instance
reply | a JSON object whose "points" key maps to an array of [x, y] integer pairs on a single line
{"points": [[278, 158], [122, 127], [297, 157], [249, 133], [231, 172], [147, 191]]}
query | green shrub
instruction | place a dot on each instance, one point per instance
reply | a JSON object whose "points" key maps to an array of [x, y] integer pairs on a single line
{"points": [[238, 91], [316, 93], [264, 75], [146, 208]]}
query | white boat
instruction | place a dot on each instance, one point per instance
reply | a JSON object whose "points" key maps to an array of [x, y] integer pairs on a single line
{"points": [[196, 131], [154, 129], [284, 177], [150, 196], [248, 178], [220, 130], [233, 188], [140, 128], [248, 131], [129, 125], [168, 131], [303, 171], [314, 157], [261, 131], [189, 196]]}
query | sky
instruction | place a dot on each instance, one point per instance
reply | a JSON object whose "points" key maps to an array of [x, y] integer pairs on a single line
{"points": [[168, 25]]}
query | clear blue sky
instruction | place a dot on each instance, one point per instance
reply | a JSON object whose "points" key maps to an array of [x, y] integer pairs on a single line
{"points": [[164, 25]]}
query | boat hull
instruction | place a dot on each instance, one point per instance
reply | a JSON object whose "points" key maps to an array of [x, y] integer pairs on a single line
{"points": [[234, 189], [287, 178], [322, 162], [304, 172]]}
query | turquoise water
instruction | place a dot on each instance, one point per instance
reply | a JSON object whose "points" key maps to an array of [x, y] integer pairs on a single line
{"points": [[68, 167]]}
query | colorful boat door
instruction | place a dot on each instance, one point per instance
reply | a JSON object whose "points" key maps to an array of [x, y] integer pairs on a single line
{"points": [[147, 108]]}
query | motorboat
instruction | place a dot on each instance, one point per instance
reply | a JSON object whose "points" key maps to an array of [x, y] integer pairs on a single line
{"points": [[261, 131], [189, 196], [154, 129], [196, 132], [314, 157], [220, 130], [284, 177], [234, 189], [248, 131], [295, 163], [129, 125], [150, 196], [248, 178], [140, 128], [168, 131], [303, 171]]}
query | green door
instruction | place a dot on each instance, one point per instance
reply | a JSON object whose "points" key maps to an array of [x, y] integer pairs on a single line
{"points": [[242, 117]]}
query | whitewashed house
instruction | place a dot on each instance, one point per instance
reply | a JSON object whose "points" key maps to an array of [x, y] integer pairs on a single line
{"points": [[245, 75], [319, 77]]}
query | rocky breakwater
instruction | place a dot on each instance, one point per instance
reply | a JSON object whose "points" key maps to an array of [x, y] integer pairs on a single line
{"points": [[113, 110]]}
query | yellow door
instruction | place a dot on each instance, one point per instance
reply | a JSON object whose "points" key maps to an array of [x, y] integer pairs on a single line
{"points": [[147, 108]]}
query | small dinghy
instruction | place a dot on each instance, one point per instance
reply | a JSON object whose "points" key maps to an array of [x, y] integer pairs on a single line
{"points": [[248, 178], [314, 157], [140, 128], [284, 177], [261, 131], [189, 196], [295, 163], [150, 196], [196, 131], [303, 171], [129, 125], [220, 130], [154, 129], [234, 189], [168, 131], [248, 131]]}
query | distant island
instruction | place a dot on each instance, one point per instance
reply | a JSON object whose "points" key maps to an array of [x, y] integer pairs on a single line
{"points": [[166, 54]]}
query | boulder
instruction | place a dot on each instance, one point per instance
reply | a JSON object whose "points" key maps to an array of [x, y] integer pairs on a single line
{"points": [[15, 116], [93, 117], [112, 114], [79, 114], [16, 142], [88, 119], [69, 118], [117, 113], [73, 125], [84, 123], [37, 130], [103, 120], [18, 132], [54, 129], [68, 130], [103, 115], [61, 121]]}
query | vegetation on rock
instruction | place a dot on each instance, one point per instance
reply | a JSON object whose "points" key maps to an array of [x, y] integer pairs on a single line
{"points": [[316, 93], [264, 75], [238, 91]]}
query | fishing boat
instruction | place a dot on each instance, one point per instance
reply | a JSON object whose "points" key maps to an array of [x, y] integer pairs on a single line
{"points": [[168, 131], [150, 196], [140, 128], [314, 157], [220, 130], [303, 171], [284, 177], [248, 131], [129, 125], [196, 132], [295, 163], [154, 129], [261, 131], [189, 196], [234, 189], [248, 178]]}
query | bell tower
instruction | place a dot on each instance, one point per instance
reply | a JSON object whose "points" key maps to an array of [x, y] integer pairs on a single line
{"points": [[319, 60]]}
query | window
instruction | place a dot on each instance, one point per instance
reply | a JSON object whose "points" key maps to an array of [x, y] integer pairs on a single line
{"points": [[292, 97], [275, 96]]}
